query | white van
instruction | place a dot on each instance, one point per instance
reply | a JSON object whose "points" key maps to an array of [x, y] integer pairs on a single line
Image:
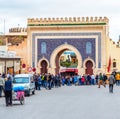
{"points": [[25, 80]]}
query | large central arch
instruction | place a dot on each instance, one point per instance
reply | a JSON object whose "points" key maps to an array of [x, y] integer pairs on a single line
{"points": [[62, 48]]}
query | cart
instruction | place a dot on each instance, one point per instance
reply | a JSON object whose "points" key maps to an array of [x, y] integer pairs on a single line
{"points": [[18, 94]]}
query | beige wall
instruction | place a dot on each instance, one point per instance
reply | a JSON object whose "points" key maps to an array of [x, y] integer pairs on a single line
{"points": [[114, 51], [21, 51], [67, 29], [108, 48]]}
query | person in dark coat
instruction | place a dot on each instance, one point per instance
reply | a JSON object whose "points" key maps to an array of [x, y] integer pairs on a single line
{"points": [[8, 91], [1, 84], [35, 77], [111, 80]]}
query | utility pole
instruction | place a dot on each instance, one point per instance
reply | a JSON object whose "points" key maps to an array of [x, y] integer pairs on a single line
{"points": [[4, 26], [2, 22]]}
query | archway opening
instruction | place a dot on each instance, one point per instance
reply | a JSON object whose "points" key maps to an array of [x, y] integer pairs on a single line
{"points": [[44, 67], [55, 57], [66, 62], [89, 67]]}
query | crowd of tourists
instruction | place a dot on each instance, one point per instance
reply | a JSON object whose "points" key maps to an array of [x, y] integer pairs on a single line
{"points": [[49, 81]]}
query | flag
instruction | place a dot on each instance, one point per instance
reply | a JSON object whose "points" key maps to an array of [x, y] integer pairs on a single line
{"points": [[109, 64]]}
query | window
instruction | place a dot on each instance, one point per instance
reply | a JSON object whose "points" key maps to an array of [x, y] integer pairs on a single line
{"points": [[21, 80], [88, 48], [43, 48], [114, 64]]}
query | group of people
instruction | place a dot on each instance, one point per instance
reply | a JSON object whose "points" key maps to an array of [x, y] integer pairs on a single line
{"points": [[49, 81], [103, 78]]}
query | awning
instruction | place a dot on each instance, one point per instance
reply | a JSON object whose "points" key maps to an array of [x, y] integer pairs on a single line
{"points": [[74, 70]]}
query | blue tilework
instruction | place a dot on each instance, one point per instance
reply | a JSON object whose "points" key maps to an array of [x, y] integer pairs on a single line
{"points": [[79, 43]]}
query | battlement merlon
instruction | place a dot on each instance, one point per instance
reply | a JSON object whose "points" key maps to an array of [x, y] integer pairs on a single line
{"points": [[70, 20]]}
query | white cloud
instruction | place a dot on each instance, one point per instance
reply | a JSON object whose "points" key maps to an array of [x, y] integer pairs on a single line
{"points": [[16, 12]]}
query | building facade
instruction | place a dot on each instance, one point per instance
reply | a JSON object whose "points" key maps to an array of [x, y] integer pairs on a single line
{"points": [[9, 62], [46, 39]]}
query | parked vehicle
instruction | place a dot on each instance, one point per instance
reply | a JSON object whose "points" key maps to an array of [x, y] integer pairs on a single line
{"points": [[25, 80]]}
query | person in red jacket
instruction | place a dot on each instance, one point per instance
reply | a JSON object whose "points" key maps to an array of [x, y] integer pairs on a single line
{"points": [[83, 80]]}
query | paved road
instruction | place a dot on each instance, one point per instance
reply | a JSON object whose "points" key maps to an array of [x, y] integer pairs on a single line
{"points": [[74, 102]]}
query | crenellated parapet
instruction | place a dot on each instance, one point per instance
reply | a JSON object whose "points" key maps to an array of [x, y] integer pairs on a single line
{"points": [[17, 30], [66, 20], [118, 43]]}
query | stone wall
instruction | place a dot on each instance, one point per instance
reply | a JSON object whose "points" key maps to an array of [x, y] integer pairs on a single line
{"points": [[21, 50], [113, 51]]}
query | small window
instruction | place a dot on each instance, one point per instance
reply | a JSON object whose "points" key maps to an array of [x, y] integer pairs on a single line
{"points": [[43, 48], [114, 64], [88, 48]]}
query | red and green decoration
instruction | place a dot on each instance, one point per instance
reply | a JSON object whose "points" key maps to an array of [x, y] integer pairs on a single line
{"points": [[23, 65], [34, 69]]}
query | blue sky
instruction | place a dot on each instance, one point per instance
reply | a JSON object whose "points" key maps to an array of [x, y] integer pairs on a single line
{"points": [[15, 13]]}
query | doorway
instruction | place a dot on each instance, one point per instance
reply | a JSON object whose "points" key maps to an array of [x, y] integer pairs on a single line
{"points": [[44, 67], [89, 67]]}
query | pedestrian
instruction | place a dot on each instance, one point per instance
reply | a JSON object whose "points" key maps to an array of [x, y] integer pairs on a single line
{"points": [[52, 81], [88, 79], [39, 83], [111, 80], [100, 80], [104, 79], [35, 77], [1, 84], [92, 79], [49, 81], [96, 78], [83, 80], [117, 77], [8, 91]]}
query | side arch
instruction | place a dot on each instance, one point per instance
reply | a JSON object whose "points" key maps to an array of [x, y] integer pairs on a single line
{"points": [[39, 65], [86, 61], [39, 62]]}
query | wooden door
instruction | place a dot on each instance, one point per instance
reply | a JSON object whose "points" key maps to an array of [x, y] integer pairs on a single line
{"points": [[89, 66], [43, 67]]}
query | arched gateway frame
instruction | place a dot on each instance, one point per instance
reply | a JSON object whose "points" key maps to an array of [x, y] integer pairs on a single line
{"points": [[63, 48], [89, 66], [43, 65]]}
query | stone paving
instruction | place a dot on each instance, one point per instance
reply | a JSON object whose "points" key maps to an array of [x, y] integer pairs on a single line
{"points": [[74, 102]]}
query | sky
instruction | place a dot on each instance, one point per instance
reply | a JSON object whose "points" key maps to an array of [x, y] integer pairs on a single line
{"points": [[14, 13]]}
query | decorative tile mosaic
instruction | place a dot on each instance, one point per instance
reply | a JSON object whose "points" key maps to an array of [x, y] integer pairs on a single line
{"points": [[79, 43]]}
